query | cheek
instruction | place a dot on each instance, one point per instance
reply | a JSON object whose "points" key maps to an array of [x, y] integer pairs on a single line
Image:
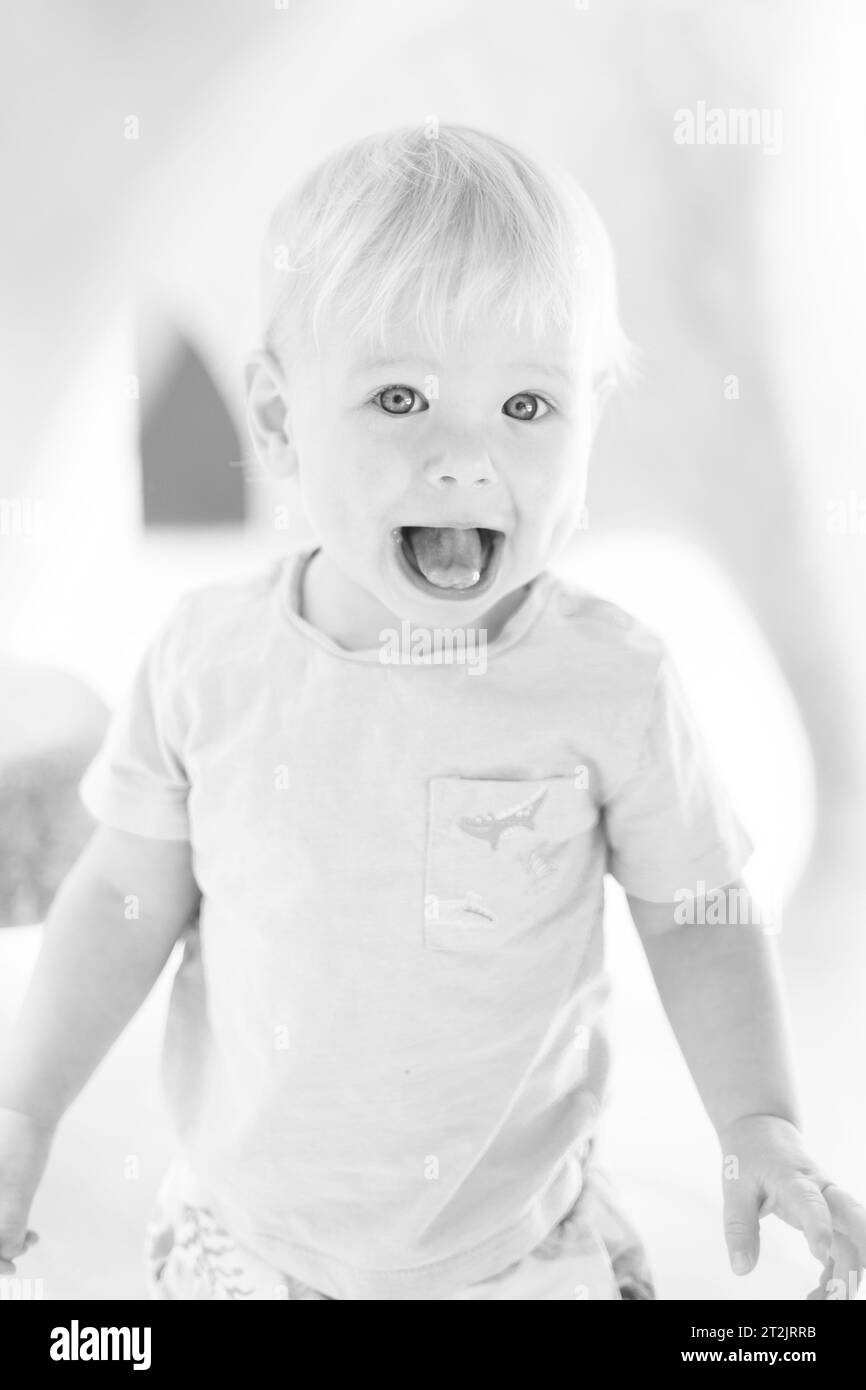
{"points": [[349, 475], [380, 463], [329, 453], [551, 473], [324, 474]]}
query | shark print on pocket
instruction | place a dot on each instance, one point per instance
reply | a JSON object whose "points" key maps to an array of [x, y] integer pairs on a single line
{"points": [[501, 855], [493, 825]]}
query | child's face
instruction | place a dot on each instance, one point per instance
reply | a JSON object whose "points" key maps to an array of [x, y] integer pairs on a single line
{"points": [[441, 486]]}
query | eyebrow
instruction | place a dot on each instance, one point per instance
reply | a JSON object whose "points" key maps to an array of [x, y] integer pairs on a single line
{"points": [[370, 364], [549, 368]]}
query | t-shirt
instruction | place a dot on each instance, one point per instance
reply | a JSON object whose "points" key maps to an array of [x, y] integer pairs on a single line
{"points": [[386, 1050]]}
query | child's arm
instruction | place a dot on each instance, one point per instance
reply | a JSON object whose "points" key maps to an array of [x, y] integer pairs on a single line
{"points": [[107, 937], [720, 989]]}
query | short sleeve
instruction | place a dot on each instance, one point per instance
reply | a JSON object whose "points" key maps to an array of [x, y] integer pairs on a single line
{"points": [[671, 824], [137, 780]]}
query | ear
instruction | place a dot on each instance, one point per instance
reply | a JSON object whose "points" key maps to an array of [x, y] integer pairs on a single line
{"points": [[268, 414]]}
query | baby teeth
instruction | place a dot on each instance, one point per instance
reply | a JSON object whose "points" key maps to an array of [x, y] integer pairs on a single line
{"points": [[466, 583]]}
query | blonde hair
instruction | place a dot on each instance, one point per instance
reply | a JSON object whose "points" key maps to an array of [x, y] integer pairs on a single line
{"points": [[436, 227]]}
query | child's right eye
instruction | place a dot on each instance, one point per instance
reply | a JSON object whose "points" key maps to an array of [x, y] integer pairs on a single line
{"points": [[400, 400]]}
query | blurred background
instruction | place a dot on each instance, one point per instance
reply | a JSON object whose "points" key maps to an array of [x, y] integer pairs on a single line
{"points": [[142, 149]]}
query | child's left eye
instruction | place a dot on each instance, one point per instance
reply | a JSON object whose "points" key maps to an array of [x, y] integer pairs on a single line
{"points": [[400, 400], [525, 406]]}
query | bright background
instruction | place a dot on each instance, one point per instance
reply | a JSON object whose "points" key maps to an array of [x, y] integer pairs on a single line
{"points": [[708, 515]]}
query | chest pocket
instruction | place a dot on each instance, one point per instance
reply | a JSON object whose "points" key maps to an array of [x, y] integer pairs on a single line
{"points": [[502, 857]]}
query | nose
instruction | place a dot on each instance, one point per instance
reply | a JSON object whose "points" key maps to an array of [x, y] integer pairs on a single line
{"points": [[461, 463]]}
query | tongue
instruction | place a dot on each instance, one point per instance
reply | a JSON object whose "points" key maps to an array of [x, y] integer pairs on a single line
{"points": [[448, 558]]}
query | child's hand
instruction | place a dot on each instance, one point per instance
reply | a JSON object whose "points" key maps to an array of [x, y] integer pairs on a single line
{"points": [[767, 1170], [24, 1147]]}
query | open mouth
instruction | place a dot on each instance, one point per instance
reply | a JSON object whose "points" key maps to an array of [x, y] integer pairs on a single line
{"points": [[456, 562]]}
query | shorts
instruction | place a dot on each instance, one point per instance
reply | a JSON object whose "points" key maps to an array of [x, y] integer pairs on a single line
{"points": [[592, 1253]]}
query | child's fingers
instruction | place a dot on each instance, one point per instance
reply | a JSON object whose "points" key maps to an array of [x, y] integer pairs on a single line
{"points": [[804, 1202], [847, 1269], [742, 1231], [6, 1265], [13, 1240], [849, 1217], [841, 1276], [820, 1293]]}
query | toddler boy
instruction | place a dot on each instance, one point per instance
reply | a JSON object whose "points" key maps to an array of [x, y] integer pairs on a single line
{"points": [[386, 1054]]}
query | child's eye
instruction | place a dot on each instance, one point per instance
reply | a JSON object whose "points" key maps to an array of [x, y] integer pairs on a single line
{"points": [[400, 400], [525, 406]]}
